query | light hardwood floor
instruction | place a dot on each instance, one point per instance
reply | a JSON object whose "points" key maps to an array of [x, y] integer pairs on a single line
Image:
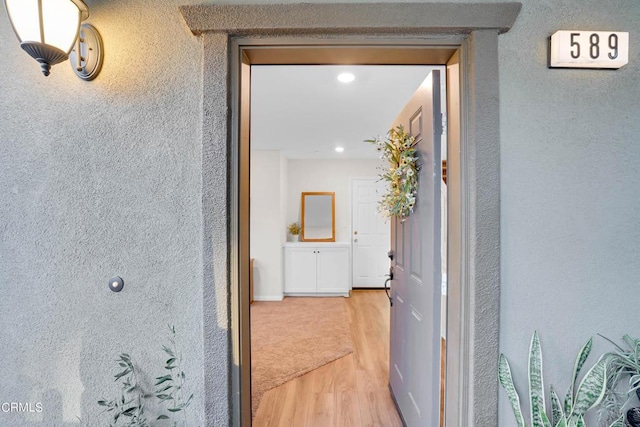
{"points": [[350, 391]]}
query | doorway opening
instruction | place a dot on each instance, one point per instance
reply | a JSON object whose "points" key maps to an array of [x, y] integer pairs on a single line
{"points": [[342, 55], [307, 133], [235, 35]]}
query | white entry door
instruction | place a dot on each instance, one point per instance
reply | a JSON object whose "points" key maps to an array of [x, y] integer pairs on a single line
{"points": [[414, 371], [371, 234]]}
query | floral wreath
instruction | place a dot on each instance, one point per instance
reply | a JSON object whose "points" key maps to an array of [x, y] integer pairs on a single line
{"points": [[399, 149]]}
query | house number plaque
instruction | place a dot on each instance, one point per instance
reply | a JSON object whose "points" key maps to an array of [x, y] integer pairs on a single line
{"points": [[589, 49]]}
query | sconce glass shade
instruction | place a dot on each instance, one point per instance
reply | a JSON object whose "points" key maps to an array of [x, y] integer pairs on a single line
{"points": [[47, 29]]}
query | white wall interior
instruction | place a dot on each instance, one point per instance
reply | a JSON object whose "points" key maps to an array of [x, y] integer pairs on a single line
{"points": [[327, 175], [267, 225], [284, 196]]}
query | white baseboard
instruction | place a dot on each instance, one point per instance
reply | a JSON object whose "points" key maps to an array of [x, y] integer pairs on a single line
{"points": [[268, 298], [318, 295]]}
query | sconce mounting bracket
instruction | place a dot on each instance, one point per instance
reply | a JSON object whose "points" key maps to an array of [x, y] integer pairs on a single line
{"points": [[88, 62]]}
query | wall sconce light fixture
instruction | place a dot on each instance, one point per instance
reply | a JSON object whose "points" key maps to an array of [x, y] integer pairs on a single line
{"points": [[51, 31]]}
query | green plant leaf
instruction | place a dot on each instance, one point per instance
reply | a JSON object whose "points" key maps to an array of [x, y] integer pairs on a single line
{"points": [[536, 382], [188, 402], [545, 419], [163, 389], [162, 417], [163, 379], [168, 351], [630, 341], [583, 354], [556, 408], [591, 389], [619, 422], [122, 374], [562, 422], [506, 380], [634, 383], [580, 422], [174, 409]]}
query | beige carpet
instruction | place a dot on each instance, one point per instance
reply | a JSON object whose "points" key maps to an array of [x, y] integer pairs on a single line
{"points": [[292, 337]]}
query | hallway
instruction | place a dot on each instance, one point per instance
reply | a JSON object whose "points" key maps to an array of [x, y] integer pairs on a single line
{"points": [[350, 391]]}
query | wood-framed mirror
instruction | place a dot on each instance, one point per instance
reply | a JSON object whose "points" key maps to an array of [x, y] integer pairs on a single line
{"points": [[318, 217]]}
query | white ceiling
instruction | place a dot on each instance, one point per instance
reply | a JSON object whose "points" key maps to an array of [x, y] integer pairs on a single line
{"points": [[305, 112]]}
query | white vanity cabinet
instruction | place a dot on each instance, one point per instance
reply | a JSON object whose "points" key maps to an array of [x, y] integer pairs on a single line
{"points": [[317, 269]]}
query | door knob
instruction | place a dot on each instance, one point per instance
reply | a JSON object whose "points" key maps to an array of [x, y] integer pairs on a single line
{"points": [[355, 232]]}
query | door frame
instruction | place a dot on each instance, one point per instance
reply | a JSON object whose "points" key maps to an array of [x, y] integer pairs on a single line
{"points": [[333, 34]]}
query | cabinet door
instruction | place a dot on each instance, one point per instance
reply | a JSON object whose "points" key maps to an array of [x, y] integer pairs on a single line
{"points": [[300, 270], [333, 270]]}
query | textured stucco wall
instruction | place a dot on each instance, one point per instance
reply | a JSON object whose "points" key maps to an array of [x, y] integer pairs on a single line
{"points": [[105, 178], [100, 179], [569, 194]]}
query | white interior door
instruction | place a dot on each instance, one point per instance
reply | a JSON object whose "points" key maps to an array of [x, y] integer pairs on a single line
{"points": [[371, 234], [414, 374]]}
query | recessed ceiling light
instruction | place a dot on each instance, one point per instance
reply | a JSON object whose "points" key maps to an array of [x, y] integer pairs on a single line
{"points": [[346, 77], [339, 149]]}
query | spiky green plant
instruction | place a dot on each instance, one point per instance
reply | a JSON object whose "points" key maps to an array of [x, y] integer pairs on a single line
{"points": [[623, 378], [578, 401]]}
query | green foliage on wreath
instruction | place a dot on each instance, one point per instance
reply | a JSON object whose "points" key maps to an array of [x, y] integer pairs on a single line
{"points": [[399, 149]]}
